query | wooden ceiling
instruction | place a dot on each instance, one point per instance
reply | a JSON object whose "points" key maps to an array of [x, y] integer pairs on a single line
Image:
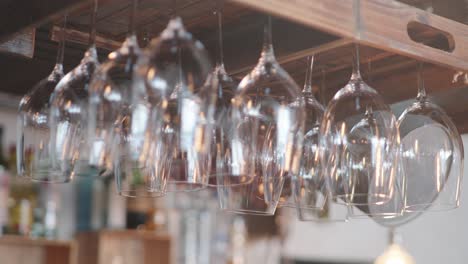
{"points": [[394, 76]]}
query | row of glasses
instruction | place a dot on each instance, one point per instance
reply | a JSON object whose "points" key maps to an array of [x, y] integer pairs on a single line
{"points": [[163, 120]]}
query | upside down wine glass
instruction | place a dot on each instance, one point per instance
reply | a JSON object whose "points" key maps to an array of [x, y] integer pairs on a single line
{"points": [[226, 168], [173, 107], [265, 132], [304, 190], [111, 135], [360, 141], [68, 106], [432, 155], [391, 211], [312, 200], [34, 127], [308, 188]]}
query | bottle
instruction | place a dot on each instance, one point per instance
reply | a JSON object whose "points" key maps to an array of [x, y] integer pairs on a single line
{"points": [[4, 187], [22, 201]]}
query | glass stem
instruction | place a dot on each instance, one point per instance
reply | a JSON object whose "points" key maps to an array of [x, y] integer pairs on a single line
{"points": [[174, 9], [308, 77], [267, 39], [421, 85], [61, 50], [356, 63], [219, 14], [132, 18], [391, 236], [323, 88], [92, 33], [370, 76]]}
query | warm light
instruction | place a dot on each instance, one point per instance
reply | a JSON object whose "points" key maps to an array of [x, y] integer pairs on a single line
{"points": [[395, 255]]}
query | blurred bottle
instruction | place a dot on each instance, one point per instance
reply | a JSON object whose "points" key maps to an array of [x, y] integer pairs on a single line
{"points": [[4, 187], [23, 198], [117, 208], [45, 212], [238, 243]]}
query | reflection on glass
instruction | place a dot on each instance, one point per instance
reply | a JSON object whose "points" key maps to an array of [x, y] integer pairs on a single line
{"points": [[432, 155], [267, 122], [172, 82], [360, 139], [68, 114], [34, 128]]}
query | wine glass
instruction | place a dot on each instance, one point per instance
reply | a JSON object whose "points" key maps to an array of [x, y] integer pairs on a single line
{"points": [[224, 172], [175, 91], [432, 155], [34, 126], [68, 109], [309, 189], [359, 143], [304, 190], [112, 142], [265, 131], [392, 210], [109, 94]]}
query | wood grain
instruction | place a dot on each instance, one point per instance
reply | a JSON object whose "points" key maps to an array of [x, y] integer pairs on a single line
{"points": [[378, 23], [22, 44]]}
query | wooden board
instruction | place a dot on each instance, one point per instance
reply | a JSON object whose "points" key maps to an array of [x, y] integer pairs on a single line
{"points": [[377, 23], [39, 251], [137, 247], [22, 44]]}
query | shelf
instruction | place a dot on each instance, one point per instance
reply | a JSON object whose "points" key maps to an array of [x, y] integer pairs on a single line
{"points": [[141, 247], [39, 251]]}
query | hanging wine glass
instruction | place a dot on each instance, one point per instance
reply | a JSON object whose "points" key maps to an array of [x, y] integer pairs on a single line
{"points": [[385, 212], [265, 132], [311, 197], [110, 140], [224, 172], [34, 126], [432, 155], [68, 107], [360, 138], [175, 97], [305, 190], [109, 94]]}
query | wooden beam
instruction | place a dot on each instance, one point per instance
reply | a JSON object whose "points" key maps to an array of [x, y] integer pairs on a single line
{"points": [[378, 23], [76, 36], [18, 15], [22, 44]]}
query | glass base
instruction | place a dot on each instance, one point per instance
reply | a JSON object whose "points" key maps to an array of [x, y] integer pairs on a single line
{"points": [[361, 199], [178, 186], [141, 194], [417, 208], [229, 180], [50, 177], [250, 212]]}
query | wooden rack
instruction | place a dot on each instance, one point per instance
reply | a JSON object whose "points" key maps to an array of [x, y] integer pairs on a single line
{"points": [[393, 35]]}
